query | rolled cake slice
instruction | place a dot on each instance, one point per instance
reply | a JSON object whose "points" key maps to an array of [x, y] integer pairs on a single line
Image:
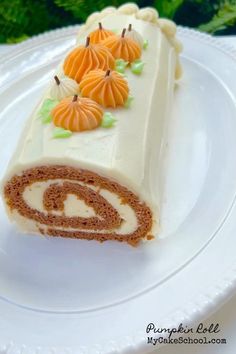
{"points": [[89, 161]]}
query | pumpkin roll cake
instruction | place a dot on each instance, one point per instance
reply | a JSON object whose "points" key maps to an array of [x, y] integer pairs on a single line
{"points": [[89, 161]]}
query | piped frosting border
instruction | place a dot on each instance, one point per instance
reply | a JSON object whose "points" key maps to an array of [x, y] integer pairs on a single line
{"points": [[148, 14]]}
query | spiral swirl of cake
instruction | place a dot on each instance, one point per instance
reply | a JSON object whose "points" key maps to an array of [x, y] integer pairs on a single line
{"points": [[77, 114], [55, 183], [99, 34], [103, 184], [122, 47], [87, 57], [107, 88]]}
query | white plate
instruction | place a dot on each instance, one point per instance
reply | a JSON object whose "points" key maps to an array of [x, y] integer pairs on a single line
{"points": [[68, 296]]}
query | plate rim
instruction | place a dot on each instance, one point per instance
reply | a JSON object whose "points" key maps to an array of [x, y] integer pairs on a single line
{"points": [[222, 290]]}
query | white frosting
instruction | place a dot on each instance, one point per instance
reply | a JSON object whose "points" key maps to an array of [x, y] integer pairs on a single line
{"points": [[67, 87], [108, 10], [168, 27], [176, 44], [128, 8], [33, 196], [96, 16], [135, 36], [76, 207], [131, 151], [148, 14], [178, 70]]}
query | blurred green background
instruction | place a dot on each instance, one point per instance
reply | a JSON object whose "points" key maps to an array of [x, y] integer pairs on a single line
{"points": [[20, 19]]}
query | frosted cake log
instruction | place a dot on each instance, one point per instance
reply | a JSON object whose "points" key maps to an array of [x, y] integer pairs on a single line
{"points": [[88, 162]]}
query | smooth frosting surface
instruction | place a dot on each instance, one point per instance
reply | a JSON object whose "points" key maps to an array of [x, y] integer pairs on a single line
{"points": [[130, 151]]}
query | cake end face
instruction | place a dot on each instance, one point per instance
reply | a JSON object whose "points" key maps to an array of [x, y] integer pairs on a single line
{"points": [[63, 201], [90, 157]]}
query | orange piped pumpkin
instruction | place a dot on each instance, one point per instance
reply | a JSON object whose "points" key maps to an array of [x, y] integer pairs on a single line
{"points": [[85, 58], [77, 114], [99, 34], [122, 47], [107, 88]]}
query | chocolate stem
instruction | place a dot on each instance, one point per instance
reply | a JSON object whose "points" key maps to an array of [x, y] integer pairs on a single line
{"points": [[100, 25], [87, 42], [75, 98], [130, 27], [108, 72], [123, 33], [57, 80]]}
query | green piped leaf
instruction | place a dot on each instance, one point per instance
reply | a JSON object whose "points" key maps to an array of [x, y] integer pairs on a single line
{"points": [[48, 105], [121, 65], [108, 120], [45, 110], [46, 118], [137, 67], [60, 133], [145, 44], [129, 101], [120, 69], [123, 75], [121, 61]]}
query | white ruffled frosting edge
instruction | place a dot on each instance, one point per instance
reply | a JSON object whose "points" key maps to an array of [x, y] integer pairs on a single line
{"points": [[148, 14]]}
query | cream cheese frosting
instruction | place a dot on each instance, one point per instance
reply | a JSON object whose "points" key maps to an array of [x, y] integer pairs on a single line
{"points": [[147, 14], [33, 195], [131, 151], [63, 87]]}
